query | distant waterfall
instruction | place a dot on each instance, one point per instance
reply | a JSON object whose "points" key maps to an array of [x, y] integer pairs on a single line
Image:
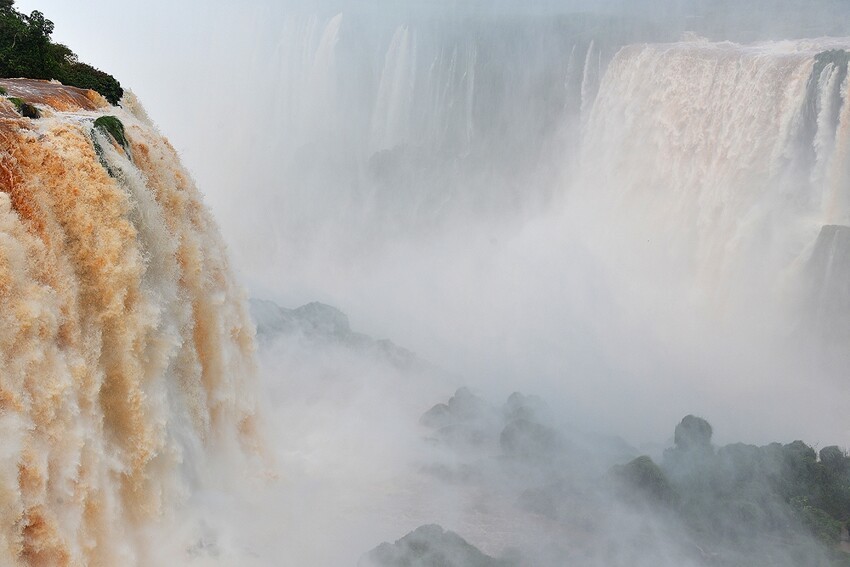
{"points": [[394, 103], [728, 158], [395, 125]]}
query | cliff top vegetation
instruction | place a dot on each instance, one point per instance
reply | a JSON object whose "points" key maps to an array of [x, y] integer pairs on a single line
{"points": [[26, 50]]}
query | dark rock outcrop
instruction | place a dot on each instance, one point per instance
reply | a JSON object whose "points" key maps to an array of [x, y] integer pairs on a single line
{"points": [[529, 440], [324, 324], [430, 546], [466, 420], [642, 480], [693, 433]]}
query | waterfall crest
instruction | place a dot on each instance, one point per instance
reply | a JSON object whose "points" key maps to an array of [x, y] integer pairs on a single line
{"points": [[728, 158], [126, 350]]}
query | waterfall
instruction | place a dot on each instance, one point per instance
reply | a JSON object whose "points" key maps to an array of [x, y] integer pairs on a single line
{"points": [[588, 80], [727, 159], [126, 350], [399, 125], [394, 104]]}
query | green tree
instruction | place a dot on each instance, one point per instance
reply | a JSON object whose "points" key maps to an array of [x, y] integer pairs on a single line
{"points": [[26, 50]]}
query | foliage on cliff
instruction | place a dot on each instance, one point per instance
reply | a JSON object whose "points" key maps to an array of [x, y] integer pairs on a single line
{"points": [[26, 50]]}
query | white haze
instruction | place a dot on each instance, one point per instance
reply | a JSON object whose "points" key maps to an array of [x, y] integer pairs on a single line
{"points": [[625, 285]]}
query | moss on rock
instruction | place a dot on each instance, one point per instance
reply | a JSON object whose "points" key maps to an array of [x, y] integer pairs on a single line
{"points": [[26, 109], [114, 127]]}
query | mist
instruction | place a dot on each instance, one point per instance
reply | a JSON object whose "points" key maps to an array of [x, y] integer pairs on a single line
{"points": [[616, 209], [421, 169]]}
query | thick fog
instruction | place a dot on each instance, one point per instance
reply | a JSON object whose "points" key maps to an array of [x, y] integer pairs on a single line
{"points": [[602, 204]]}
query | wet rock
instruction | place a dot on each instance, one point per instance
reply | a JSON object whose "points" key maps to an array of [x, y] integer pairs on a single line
{"points": [[692, 433], [526, 439], [437, 417], [520, 406], [431, 546], [465, 421], [466, 406]]}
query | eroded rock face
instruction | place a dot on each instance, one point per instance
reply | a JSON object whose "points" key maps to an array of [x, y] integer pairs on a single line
{"points": [[529, 440]]}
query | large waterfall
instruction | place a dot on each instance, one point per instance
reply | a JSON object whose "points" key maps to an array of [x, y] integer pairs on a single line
{"points": [[388, 127], [126, 352], [525, 241], [723, 160]]}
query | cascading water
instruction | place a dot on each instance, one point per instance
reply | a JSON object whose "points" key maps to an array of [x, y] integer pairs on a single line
{"points": [[126, 351], [390, 127], [514, 195], [727, 159]]}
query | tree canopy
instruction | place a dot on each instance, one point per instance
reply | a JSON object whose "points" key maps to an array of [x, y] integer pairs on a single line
{"points": [[26, 50]]}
